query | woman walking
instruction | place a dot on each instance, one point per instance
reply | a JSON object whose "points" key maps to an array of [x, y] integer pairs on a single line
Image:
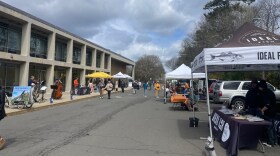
{"points": [[109, 88], [100, 86]]}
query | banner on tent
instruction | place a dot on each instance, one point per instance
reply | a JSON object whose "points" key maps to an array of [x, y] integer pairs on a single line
{"points": [[239, 57]]}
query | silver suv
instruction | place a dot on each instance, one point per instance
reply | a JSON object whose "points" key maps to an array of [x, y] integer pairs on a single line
{"points": [[234, 92]]}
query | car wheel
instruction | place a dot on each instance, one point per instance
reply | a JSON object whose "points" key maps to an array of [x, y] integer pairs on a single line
{"points": [[238, 103]]}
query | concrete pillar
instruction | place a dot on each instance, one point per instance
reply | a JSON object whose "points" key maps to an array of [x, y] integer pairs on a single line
{"points": [[83, 55], [24, 71], [102, 61], [110, 64], [50, 78], [25, 39], [68, 85], [51, 46], [93, 62], [133, 72], [69, 58], [83, 77]]}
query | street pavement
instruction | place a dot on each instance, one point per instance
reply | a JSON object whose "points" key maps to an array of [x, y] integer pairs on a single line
{"points": [[126, 125]]}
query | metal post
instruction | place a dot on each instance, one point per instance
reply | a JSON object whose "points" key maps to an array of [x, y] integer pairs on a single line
{"points": [[209, 143], [164, 92]]}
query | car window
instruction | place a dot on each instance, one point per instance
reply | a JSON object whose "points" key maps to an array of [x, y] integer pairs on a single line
{"points": [[231, 85], [269, 86], [246, 86], [217, 86]]}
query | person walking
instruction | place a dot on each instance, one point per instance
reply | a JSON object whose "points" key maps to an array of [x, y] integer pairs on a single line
{"points": [[134, 86], [90, 85], [145, 87], [100, 88], [2, 114], [157, 89], [122, 85], [76, 85], [109, 88]]}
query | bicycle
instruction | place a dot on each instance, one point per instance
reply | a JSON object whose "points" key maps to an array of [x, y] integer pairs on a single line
{"points": [[20, 102]]}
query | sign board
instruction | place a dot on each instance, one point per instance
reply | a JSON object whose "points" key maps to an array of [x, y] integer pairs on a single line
{"points": [[21, 93]]}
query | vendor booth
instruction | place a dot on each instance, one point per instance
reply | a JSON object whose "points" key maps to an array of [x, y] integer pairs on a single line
{"points": [[182, 72], [250, 49]]}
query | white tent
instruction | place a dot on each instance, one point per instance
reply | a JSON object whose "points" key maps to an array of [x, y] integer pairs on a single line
{"points": [[119, 75], [127, 76], [249, 49], [183, 72]]}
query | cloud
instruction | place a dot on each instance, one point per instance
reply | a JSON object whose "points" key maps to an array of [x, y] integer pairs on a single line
{"points": [[129, 27]]}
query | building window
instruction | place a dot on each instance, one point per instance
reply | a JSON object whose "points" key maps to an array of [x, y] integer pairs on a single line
{"points": [[77, 55], [60, 51], [38, 46], [10, 39], [89, 58], [9, 76], [98, 60], [38, 71], [107, 57]]}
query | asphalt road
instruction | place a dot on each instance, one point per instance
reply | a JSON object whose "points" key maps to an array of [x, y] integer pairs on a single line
{"points": [[126, 125]]}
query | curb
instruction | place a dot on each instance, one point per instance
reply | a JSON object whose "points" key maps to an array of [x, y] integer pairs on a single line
{"points": [[32, 109]]}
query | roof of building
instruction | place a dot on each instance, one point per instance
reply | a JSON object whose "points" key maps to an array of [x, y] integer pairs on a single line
{"points": [[56, 27]]}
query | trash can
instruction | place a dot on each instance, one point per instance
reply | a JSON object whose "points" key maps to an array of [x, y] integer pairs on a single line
{"points": [[193, 122]]}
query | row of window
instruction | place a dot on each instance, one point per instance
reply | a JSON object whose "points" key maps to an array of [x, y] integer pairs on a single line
{"points": [[10, 41]]}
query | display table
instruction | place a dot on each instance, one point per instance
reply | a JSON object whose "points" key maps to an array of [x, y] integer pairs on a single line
{"points": [[178, 99], [236, 133]]}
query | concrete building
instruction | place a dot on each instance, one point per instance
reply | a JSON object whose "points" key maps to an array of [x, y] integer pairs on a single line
{"points": [[32, 46]]}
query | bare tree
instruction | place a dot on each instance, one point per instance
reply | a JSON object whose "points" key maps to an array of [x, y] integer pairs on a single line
{"points": [[172, 63], [149, 67], [269, 15]]}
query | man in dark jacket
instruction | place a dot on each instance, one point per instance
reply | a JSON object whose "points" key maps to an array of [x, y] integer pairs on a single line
{"points": [[267, 107], [2, 114], [252, 100]]}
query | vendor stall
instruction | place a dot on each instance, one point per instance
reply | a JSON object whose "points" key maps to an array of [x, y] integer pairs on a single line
{"points": [[250, 49]]}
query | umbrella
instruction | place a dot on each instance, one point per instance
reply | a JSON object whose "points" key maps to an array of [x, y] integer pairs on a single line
{"points": [[119, 75], [99, 75]]}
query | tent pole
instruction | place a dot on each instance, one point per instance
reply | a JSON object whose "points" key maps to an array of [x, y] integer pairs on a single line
{"points": [[208, 102], [164, 92], [209, 143], [192, 87]]}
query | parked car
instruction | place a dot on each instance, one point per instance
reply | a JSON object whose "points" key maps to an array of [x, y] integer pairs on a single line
{"points": [[211, 89], [234, 93]]}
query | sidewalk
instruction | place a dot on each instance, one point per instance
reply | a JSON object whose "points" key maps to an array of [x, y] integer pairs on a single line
{"points": [[63, 100]]}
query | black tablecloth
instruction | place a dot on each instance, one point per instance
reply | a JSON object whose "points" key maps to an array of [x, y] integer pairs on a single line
{"points": [[235, 133], [83, 91]]}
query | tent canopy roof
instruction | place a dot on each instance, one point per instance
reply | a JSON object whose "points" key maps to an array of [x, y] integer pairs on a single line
{"points": [[183, 72], [250, 48]]}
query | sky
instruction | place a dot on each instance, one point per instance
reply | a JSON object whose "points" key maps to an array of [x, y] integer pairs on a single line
{"points": [[131, 28]]}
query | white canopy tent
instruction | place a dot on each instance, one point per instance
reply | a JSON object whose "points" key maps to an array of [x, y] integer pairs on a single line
{"points": [[127, 76], [119, 75], [250, 49], [183, 72]]}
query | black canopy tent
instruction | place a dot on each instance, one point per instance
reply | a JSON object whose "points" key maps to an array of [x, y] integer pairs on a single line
{"points": [[250, 48]]}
